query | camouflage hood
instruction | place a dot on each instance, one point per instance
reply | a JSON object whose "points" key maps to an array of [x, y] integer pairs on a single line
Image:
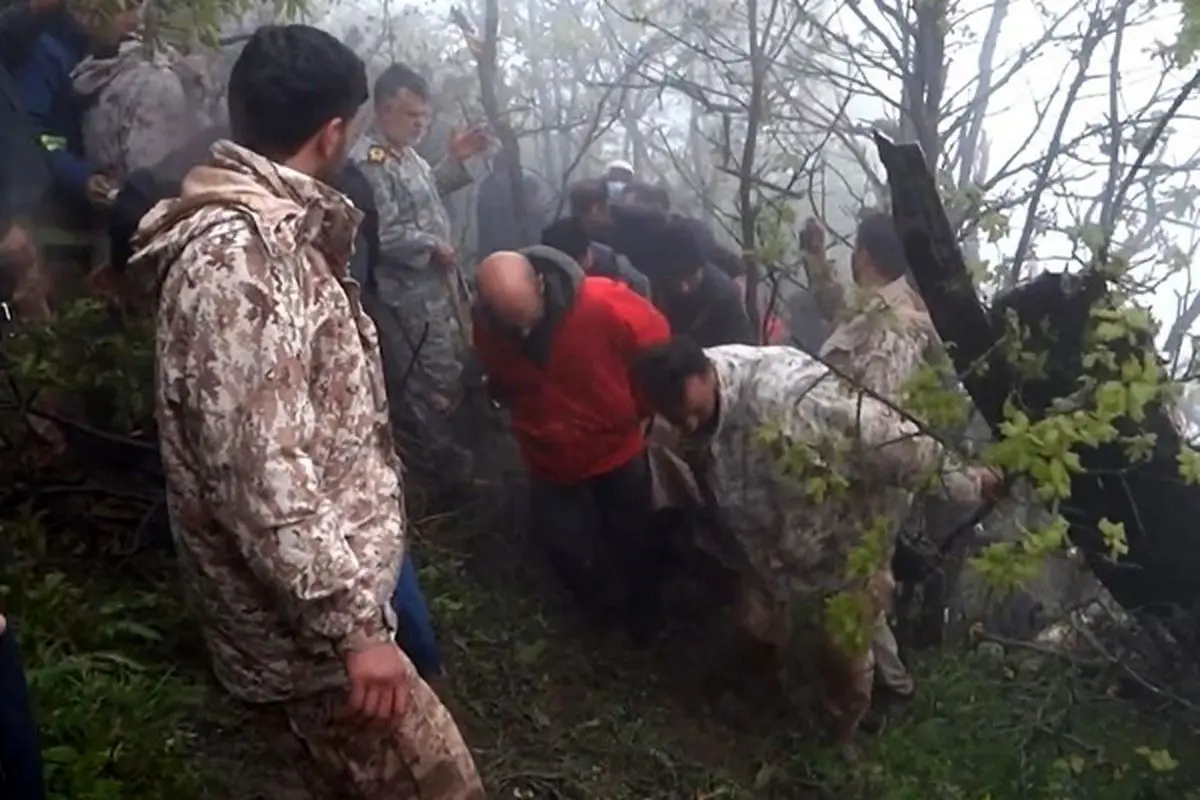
{"points": [[93, 74], [288, 209]]}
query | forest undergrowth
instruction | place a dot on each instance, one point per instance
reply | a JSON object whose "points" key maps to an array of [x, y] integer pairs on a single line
{"points": [[551, 709]]}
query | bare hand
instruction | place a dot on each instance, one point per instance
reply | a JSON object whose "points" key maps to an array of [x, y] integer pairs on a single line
{"points": [[17, 242], [812, 238], [991, 484], [101, 190], [3, 624], [469, 143], [380, 682], [444, 254]]}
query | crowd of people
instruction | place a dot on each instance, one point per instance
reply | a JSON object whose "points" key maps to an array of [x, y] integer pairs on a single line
{"points": [[314, 322]]}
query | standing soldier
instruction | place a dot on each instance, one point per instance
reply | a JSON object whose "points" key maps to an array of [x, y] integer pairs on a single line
{"points": [[136, 108], [880, 348], [283, 485], [418, 276]]}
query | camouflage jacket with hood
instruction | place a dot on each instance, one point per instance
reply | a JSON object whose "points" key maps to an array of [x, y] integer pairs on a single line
{"points": [[775, 401], [137, 111], [283, 486]]}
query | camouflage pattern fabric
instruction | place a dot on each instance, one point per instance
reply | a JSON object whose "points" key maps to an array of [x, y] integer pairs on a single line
{"points": [[423, 757], [881, 348], [794, 551], [796, 547], [426, 300], [283, 486], [137, 109], [884, 343]]}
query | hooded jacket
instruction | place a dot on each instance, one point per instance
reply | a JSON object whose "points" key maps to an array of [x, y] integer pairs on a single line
{"points": [[147, 186], [136, 111], [283, 486], [575, 410]]}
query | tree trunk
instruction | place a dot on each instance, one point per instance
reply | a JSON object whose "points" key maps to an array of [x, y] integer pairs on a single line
{"points": [[1157, 509]]}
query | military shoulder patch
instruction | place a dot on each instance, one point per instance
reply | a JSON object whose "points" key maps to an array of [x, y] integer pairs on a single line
{"points": [[376, 154]]}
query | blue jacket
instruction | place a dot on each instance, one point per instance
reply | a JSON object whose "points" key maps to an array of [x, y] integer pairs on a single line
{"points": [[44, 84]]}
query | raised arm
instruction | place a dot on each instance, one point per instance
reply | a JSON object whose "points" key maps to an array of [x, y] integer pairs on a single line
{"points": [[450, 175]]}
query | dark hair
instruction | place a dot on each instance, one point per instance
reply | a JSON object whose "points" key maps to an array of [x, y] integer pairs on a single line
{"points": [[288, 82], [586, 195], [727, 261], [877, 236], [679, 252], [644, 193], [568, 236], [397, 77], [662, 370]]}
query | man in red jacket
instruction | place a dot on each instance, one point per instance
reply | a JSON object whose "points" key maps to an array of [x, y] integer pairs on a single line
{"points": [[557, 348]]}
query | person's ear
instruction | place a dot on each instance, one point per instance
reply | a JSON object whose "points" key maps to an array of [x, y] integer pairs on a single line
{"points": [[332, 138]]}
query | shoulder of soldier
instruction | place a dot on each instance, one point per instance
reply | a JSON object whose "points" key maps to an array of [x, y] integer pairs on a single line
{"points": [[370, 153], [217, 251]]}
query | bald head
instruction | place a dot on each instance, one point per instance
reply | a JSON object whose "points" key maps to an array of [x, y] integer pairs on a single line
{"points": [[510, 288]]}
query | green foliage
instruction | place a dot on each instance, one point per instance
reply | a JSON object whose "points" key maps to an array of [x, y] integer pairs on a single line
{"points": [[97, 359], [984, 729], [849, 614], [576, 717], [1189, 34], [1047, 450], [201, 22], [115, 717]]}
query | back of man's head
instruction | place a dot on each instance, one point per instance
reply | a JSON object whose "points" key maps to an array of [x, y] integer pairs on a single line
{"points": [[290, 82], [585, 195], [568, 236], [680, 255], [877, 237], [646, 194]]}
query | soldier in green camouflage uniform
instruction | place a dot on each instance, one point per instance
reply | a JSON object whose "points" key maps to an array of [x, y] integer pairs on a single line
{"points": [[418, 277], [283, 485], [748, 406]]}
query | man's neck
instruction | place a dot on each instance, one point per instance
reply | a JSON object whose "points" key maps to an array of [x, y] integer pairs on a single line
{"points": [[398, 147]]}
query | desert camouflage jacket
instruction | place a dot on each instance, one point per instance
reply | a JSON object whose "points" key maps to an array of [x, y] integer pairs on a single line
{"points": [[136, 108], [884, 343], [408, 194], [793, 539], [283, 485]]}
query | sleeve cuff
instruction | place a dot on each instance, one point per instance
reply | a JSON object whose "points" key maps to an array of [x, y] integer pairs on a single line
{"points": [[374, 631]]}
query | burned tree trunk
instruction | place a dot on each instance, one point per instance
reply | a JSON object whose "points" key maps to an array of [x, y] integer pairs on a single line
{"points": [[1158, 573]]}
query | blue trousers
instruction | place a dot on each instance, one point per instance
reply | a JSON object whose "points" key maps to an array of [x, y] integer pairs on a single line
{"points": [[416, 635], [20, 753]]}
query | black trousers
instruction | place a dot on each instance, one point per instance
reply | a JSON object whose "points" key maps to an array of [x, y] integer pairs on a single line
{"points": [[601, 541]]}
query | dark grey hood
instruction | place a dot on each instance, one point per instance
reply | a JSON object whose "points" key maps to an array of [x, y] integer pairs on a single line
{"points": [[562, 275]]}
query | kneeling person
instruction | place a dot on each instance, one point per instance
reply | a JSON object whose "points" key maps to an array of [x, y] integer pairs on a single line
{"points": [[557, 348]]}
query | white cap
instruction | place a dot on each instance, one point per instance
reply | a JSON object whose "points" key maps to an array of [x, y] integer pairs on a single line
{"points": [[620, 164]]}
